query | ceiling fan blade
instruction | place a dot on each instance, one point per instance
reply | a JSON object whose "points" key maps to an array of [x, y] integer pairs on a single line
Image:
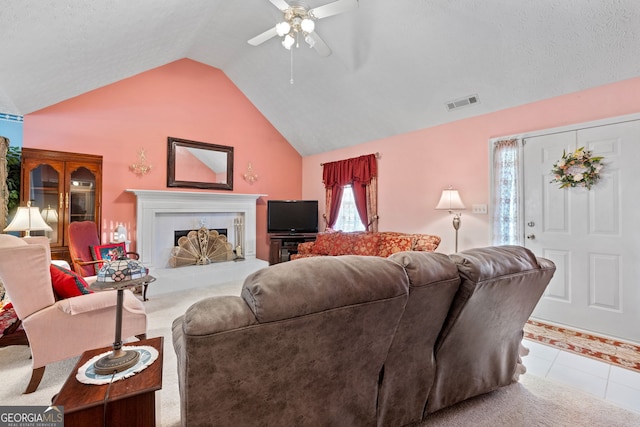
{"points": [[280, 4], [333, 8], [319, 45], [263, 37]]}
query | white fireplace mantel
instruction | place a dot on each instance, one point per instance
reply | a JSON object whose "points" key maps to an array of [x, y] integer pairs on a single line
{"points": [[155, 207], [152, 203]]}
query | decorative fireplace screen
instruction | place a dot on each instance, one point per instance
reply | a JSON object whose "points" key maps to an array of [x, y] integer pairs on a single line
{"points": [[201, 247]]}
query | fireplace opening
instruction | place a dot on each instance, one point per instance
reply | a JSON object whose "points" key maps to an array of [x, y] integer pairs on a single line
{"points": [[179, 233]]}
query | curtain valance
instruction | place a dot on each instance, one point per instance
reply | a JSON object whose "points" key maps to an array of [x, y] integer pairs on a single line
{"points": [[345, 172]]}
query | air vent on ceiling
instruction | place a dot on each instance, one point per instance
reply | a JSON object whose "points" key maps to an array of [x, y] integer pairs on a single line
{"points": [[462, 102]]}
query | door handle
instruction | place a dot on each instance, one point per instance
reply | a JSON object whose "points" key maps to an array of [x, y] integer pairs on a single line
{"points": [[531, 236]]}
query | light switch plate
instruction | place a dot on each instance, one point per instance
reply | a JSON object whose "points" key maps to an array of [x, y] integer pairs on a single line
{"points": [[479, 209]]}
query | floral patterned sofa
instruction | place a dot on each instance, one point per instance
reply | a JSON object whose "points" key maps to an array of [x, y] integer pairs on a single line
{"points": [[382, 244]]}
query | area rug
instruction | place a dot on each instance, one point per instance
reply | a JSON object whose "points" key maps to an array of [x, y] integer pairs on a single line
{"points": [[615, 352]]}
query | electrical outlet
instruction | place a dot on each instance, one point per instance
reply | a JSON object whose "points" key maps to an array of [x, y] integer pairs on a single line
{"points": [[479, 209]]}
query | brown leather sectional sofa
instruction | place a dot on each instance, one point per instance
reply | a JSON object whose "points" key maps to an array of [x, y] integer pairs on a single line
{"points": [[357, 340]]}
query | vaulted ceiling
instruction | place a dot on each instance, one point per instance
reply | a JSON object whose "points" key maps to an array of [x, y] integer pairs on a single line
{"points": [[394, 64]]}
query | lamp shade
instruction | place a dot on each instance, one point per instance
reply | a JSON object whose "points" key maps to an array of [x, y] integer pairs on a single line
{"points": [[50, 215], [450, 200], [28, 219]]}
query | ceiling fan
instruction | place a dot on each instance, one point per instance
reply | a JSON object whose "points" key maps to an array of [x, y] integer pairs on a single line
{"points": [[299, 21]]}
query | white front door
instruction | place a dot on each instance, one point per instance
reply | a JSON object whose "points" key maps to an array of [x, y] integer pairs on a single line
{"points": [[593, 236]]}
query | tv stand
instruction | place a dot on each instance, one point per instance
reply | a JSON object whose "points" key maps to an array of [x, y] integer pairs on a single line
{"points": [[281, 246]]}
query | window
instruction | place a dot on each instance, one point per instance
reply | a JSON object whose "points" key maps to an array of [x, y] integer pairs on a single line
{"points": [[506, 186], [348, 218]]}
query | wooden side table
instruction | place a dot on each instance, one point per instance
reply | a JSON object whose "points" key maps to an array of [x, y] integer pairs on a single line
{"points": [[131, 401]]}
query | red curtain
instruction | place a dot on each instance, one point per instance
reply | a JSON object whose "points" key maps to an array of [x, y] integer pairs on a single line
{"points": [[356, 172]]}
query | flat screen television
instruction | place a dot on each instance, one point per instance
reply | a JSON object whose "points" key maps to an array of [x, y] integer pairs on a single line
{"points": [[292, 216]]}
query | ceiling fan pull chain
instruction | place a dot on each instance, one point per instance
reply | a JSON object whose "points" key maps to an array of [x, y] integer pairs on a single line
{"points": [[291, 54]]}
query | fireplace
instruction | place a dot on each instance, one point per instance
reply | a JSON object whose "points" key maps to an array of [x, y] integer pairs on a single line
{"points": [[159, 213]]}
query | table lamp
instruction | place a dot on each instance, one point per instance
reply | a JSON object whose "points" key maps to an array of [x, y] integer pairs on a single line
{"points": [[28, 219], [119, 274], [450, 201], [50, 216]]}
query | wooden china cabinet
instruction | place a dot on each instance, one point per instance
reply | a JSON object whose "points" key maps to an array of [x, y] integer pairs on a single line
{"points": [[68, 186]]}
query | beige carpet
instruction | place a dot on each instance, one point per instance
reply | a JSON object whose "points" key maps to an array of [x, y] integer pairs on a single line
{"points": [[532, 402]]}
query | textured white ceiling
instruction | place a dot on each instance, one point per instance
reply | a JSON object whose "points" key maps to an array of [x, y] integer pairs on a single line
{"points": [[394, 65]]}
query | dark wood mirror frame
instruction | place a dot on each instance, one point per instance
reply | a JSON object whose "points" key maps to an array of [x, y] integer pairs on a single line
{"points": [[173, 181]]}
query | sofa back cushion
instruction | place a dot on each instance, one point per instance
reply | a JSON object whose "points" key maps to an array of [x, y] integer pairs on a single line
{"points": [[323, 243], [316, 284], [305, 336], [478, 347], [409, 370], [425, 242], [390, 243]]}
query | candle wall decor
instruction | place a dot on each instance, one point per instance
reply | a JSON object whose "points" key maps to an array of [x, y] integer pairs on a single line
{"points": [[141, 167]]}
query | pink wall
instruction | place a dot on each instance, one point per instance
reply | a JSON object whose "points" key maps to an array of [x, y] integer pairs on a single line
{"points": [[184, 99], [415, 167], [189, 100]]}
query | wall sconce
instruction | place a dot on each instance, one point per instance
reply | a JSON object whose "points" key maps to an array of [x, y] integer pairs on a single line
{"points": [[249, 176], [450, 200], [28, 219], [141, 168]]}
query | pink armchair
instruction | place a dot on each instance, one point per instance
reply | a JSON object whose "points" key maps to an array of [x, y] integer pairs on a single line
{"points": [[59, 329]]}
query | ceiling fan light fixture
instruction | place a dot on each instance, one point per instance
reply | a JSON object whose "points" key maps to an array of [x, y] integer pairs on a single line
{"points": [[307, 25], [288, 41], [283, 28]]}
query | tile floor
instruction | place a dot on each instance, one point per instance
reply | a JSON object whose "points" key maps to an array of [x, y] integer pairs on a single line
{"points": [[617, 385]]}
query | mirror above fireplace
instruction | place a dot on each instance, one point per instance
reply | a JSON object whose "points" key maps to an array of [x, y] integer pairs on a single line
{"points": [[193, 164]]}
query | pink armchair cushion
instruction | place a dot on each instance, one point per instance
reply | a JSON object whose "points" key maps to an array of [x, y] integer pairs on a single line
{"points": [[66, 283], [97, 301], [27, 265], [83, 328]]}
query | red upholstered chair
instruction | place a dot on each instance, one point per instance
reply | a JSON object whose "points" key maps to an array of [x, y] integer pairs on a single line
{"points": [[83, 238]]}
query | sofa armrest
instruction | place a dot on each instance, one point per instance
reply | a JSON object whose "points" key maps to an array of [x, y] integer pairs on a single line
{"points": [[98, 301], [305, 248], [214, 315]]}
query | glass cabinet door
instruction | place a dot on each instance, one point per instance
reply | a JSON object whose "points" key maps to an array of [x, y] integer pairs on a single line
{"points": [[44, 183], [66, 187], [82, 195]]}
